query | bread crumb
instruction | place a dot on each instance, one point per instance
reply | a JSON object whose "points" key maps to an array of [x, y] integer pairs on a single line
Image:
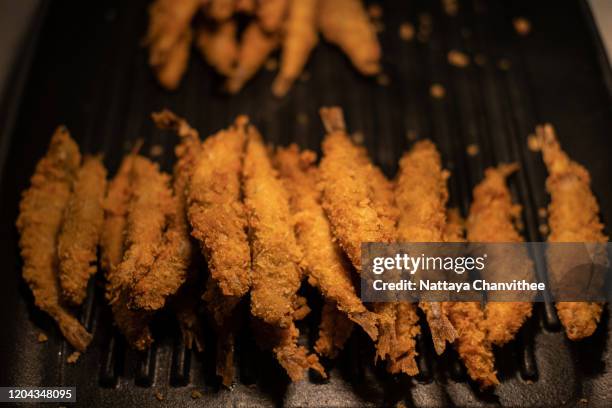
{"points": [[42, 337], [522, 26], [534, 143], [543, 228], [542, 212], [458, 59], [358, 137], [504, 64], [383, 80], [411, 135], [375, 10], [472, 149], [156, 150], [304, 76], [195, 394], [159, 396], [451, 7], [271, 64], [302, 118], [584, 401], [406, 31], [437, 91], [72, 358], [400, 404], [480, 59]]}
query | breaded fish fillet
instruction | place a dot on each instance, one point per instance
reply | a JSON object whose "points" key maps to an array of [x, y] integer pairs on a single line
{"points": [[276, 256], [334, 330], [573, 217], [323, 259], [359, 203], [492, 219], [40, 216], [81, 230], [421, 195], [134, 325]]}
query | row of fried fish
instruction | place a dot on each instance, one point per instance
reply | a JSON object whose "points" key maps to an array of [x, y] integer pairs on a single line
{"points": [[292, 25], [265, 220]]}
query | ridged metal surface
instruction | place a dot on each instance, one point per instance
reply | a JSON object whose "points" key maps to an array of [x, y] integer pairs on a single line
{"points": [[90, 73]]}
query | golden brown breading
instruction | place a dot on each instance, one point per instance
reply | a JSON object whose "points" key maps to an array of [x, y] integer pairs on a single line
{"points": [[255, 46], [186, 305], [171, 72], [334, 330], [346, 24], [271, 14], [81, 229], [359, 203], [323, 259], [246, 6], [134, 325], [219, 46], [573, 217], [348, 197], [40, 215], [402, 359], [220, 10], [471, 343], [276, 256], [215, 210], [300, 37], [492, 219], [168, 21], [421, 196], [150, 208]]}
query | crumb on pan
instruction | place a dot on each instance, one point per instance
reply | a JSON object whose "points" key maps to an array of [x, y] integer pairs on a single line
{"points": [[159, 396], [542, 212], [156, 150], [375, 10], [383, 80], [458, 59], [504, 64], [73, 358], [472, 149], [522, 26], [42, 337], [437, 91], [534, 143], [358, 137], [195, 394], [406, 31], [271, 64], [543, 228], [451, 7], [411, 135], [480, 59]]}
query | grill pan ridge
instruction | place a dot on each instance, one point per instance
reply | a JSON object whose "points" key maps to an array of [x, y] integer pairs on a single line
{"points": [[89, 71]]}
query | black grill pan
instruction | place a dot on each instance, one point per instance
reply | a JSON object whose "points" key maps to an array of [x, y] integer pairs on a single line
{"points": [[84, 66]]}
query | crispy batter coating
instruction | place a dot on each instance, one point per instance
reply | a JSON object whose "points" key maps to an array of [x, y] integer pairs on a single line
{"points": [[219, 46], [255, 46], [171, 72], [149, 211], [402, 358], [300, 37], [134, 325], [186, 305], [80, 233], [246, 6], [323, 259], [359, 203], [276, 256], [346, 24], [454, 231], [220, 10], [492, 219], [573, 217], [348, 197], [271, 14], [215, 210], [334, 330], [169, 38], [471, 342], [421, 196], [40, 215]]}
